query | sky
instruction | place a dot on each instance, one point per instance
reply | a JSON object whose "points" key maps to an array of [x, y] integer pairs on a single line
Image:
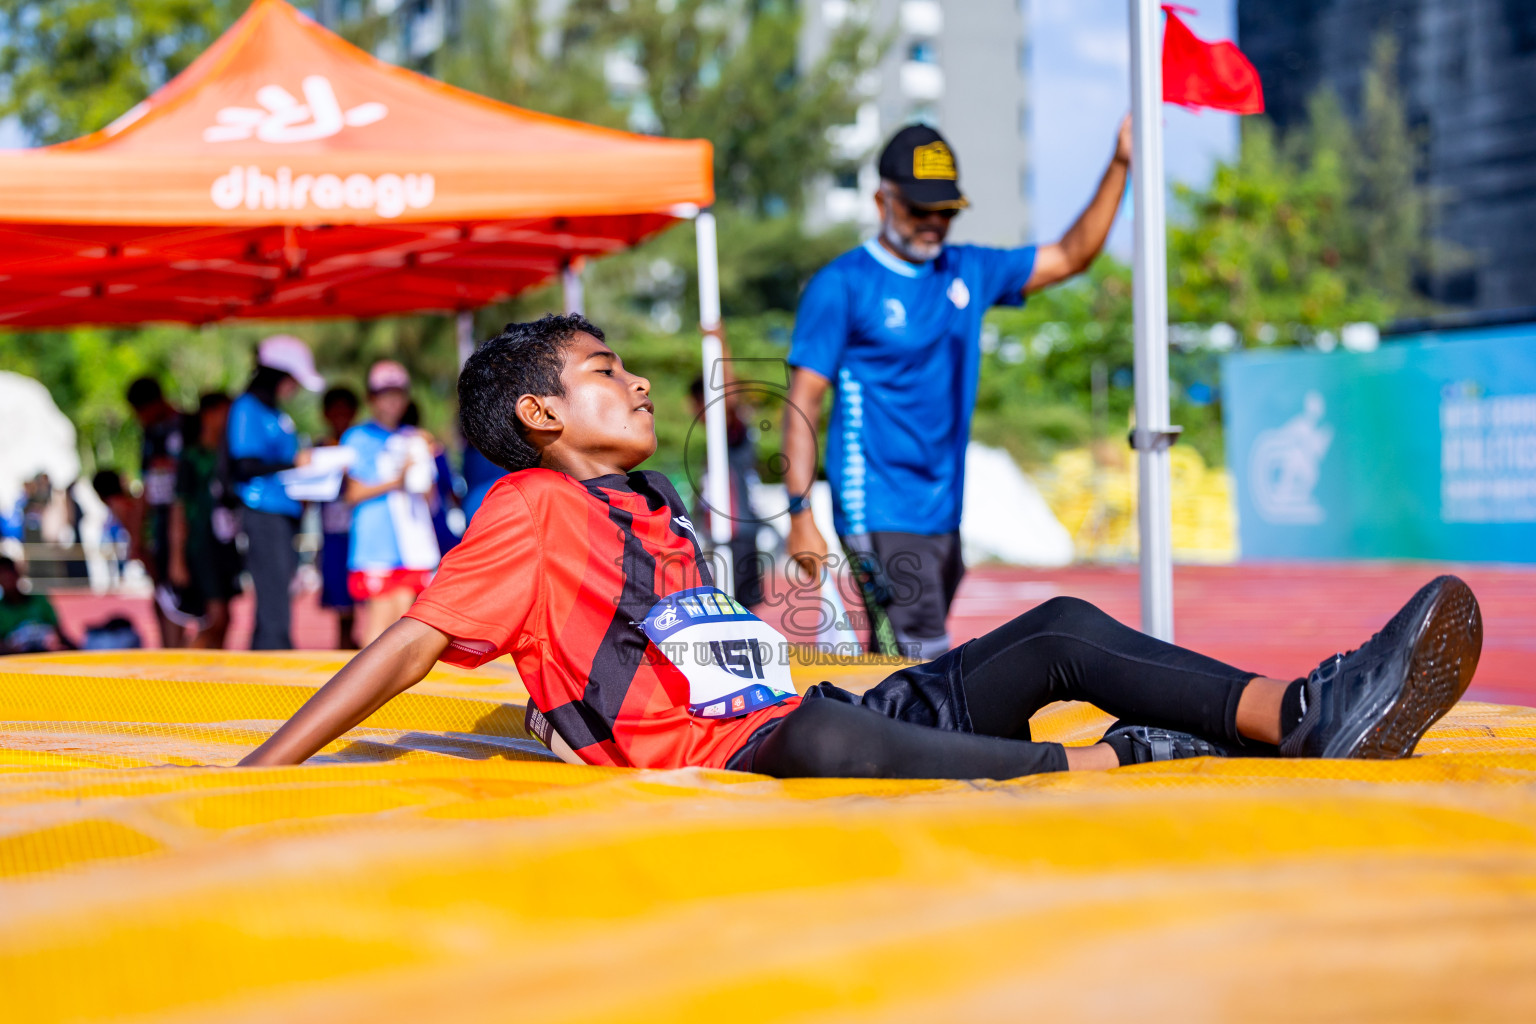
{"points": [[1080, 83]]}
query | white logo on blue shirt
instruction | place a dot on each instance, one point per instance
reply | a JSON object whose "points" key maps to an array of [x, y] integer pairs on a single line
{"points": [[895, 314], [959, 294]]}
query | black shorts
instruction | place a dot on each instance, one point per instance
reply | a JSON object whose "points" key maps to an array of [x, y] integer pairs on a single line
{"points": [[215, 576], [930, 694], [908, 582]]}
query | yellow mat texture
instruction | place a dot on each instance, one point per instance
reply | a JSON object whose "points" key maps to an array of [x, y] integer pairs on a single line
{"points": [[436, 865]]}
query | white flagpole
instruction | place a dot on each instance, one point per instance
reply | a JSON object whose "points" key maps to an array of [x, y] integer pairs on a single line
{"points": [[717, 480], [1152, 434]]}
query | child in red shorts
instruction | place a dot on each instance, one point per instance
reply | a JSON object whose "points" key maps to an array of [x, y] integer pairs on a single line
{"points": [[592, 578]]}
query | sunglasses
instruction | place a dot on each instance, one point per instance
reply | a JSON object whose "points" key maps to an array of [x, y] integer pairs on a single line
{"points": [[924, 212]]}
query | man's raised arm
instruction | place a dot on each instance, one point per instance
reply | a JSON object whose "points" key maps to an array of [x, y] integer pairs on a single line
{"points": [[398, 660], [1085, 238]]}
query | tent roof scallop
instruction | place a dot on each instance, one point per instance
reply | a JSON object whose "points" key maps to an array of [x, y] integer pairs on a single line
{"points": [[287, 173]]}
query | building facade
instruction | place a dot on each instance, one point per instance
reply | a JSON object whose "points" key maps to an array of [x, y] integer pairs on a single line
{"points": [[1468, 71], [959, 65]]}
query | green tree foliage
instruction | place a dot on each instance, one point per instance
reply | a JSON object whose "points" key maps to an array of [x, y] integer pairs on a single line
{"points": [[765, 262], [1037, 373], [1305, 233], [508, 51], [87, 371], [722, 70], [1391, 209], [1268, 243], [68, 67]]}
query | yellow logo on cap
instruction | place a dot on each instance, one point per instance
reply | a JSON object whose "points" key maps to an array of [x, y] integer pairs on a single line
{"points": [[933, 161]]}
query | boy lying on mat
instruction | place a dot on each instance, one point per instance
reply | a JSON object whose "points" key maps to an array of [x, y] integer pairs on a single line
{"points": [[589, 574]]}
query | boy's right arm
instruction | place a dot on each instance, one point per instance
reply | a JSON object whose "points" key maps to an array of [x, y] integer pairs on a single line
{"points": [[399, 659]]}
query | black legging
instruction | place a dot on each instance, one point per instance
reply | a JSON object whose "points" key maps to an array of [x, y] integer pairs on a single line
{"points": [[966, 714], [272, 561]]}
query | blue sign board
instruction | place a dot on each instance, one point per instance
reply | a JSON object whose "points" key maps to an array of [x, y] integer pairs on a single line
{"points": [[1424, 448]]}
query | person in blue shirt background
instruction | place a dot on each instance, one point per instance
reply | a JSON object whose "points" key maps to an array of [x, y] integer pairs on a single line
{"points": [[894, 327], [394, 550], [262, 442], [480, 475]]}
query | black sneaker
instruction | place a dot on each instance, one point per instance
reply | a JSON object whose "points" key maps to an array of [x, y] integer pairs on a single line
{"points": [[1378, 700], [1143, 743]]}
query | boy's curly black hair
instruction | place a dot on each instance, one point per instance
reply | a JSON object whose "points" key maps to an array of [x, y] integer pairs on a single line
{"points": [[524, 359]]}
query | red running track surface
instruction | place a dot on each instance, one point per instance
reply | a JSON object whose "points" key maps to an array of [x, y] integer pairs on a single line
{"points": [[1279, 619]]}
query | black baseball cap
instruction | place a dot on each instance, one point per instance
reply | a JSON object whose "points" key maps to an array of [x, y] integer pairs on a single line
{"points": [[923, 168]]}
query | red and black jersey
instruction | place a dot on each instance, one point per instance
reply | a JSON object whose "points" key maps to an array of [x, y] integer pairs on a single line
{"points": [[558, 573]]}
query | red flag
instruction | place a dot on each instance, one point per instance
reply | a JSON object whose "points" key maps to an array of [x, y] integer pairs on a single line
{"points": [[1201, 74]]}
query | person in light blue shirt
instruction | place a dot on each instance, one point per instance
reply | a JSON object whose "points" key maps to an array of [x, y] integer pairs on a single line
{"points": [[894, 329], [394, 549], [262, 442]]}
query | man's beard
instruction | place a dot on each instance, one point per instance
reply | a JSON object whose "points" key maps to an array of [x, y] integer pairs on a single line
{"points": [[909, 248]]}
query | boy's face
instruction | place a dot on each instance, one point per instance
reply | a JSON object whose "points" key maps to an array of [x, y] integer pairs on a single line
{"points": [[605, 410], [10, 581]]}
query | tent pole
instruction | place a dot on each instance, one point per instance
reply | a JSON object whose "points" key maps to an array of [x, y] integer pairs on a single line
{"points": [[464, 326], [1152, 434], [717, 479], [570, 288]]}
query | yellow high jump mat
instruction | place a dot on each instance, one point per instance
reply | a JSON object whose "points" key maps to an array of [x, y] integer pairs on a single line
{"points": [[437, 865]]}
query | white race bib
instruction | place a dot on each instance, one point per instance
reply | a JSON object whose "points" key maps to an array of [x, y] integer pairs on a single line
{"points": [[734, 662]]}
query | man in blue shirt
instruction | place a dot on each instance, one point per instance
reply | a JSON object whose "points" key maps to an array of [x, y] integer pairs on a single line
{"points": [[261, 443], [895, 327]]}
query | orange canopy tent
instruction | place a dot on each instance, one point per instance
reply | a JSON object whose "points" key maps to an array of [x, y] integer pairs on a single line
{"points": [[287, 173]]}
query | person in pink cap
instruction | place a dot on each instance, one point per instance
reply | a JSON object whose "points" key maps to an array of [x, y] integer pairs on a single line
{"points": [[262, 442], [393, 552]]}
